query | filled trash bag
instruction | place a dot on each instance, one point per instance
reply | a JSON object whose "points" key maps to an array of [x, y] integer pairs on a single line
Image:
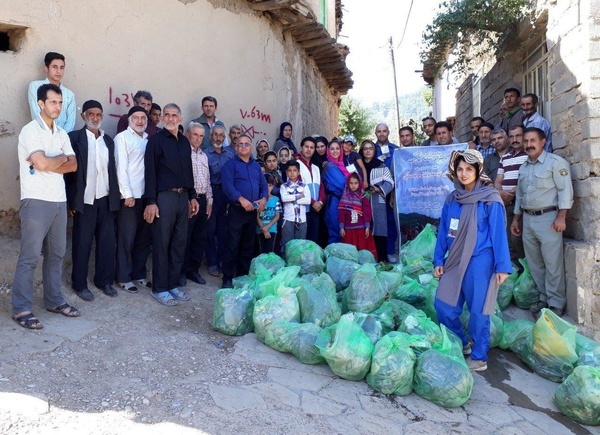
{"points": [[427, 306], [283, 277], [266, 264], [410, 291], [366, 257], [496, 325], [391, 313], [515, 336], [346, 348], [233, 310], [392, 365], [341, 271], [505, 291], [390, 280], [551, 350], [306, 254], [322, 281], [525, 292], [371, 324], [442, 379], [275, 333], [578, 397], [365, 293], [343, 251], [318, 306], [417, 323], [417, 265], [422, 245], [295, 338], [271, 308], [588, 351]]}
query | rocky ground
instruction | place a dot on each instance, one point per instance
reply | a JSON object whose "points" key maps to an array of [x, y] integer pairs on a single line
{"points": [[130, 365]]}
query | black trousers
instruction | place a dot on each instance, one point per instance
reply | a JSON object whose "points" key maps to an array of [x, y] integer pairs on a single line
{"points": [[169, 238], [265, 245], [381, 248], [241, 226], [134, 240], [96, 222], [313, 219], [196, 238], [217, 228]]}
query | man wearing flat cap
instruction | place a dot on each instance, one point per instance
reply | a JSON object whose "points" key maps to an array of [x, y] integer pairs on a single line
{"points": [[485, 139], [93, 199], [133, 236]]}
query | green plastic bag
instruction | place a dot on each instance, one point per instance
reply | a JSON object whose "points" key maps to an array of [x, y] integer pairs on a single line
{"points": [[422, 245], [410, 291], [346, 348], [342, 251], [371, 324], [578, 397], [391, 313], [274, 335], [341, 271], [283, 277], [392, 365], [496, 325], [442, 379], [322, 281], [270, 308], [505, 291], [417, 323], [525, 291], [295, 338], [266, 264], [516, 333], [366, 257], [390, 280], [365, 293], [306, 254], [588, 351], [233, 310], [318, 306], [417, 265], [428, 306], [551, 350]]}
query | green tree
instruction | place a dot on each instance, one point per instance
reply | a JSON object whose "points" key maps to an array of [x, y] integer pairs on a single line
{"points": [[355, 119]]}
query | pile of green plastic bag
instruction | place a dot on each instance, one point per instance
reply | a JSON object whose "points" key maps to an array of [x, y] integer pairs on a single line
{"points": [[378, 322]]}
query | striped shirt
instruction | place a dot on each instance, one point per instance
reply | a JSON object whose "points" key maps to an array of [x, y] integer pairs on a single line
{"points": [[201, 174], [509, 168]]}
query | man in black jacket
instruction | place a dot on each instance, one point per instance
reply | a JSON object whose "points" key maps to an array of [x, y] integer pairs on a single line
{"points": [[93, 197]]}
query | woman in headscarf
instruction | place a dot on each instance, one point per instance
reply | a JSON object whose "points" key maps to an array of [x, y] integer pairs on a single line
{"points": [[319, 159], [472, 233], [285, 138], [262, 146], [381, 184], [335, 175]]}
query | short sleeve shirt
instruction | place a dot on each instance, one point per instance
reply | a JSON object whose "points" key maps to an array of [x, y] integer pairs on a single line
{"points": [[42, 185], [272, 207]]}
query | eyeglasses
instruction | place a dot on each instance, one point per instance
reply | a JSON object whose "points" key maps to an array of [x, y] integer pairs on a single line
{"points": [[244, 145]]}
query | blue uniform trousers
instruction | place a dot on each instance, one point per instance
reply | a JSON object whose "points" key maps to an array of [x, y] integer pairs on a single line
{"points": [[473, 291]]}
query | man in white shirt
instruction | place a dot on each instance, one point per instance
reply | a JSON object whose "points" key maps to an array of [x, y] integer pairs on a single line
{"points": [[45, 154], [93, 199], [134, 237], [55, 70], [531, 118]]}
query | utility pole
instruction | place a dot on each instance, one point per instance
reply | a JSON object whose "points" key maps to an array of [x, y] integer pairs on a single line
{"points": [[395, 87]]}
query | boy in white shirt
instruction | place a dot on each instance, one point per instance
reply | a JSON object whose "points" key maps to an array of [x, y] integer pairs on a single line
{"points": [[295, 195]]}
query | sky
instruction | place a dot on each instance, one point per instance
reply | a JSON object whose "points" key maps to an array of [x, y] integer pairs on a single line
{"points": [[368, 24]]}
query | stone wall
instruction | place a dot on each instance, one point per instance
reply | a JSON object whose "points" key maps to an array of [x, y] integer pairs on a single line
{"points": [[180, 51], [573, 41]]}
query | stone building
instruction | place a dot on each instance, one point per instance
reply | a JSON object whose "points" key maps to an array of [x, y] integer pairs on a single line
{"points": [[266, 61], [555, 55]]}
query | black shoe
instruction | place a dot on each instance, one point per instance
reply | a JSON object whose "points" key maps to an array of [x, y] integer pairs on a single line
{"points": [[85, 294], [537, 307], [182, 280], [558, 311], [109, 290], [196, 277], [227, 284]]}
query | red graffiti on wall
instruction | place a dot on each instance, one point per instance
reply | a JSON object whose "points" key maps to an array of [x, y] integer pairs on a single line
{"points": [[251, 131], [121, 100], [254, 113]]}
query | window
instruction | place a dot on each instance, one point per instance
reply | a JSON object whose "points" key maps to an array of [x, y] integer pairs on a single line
{"points": [[11, 37], [476, 93], [535, 74]]}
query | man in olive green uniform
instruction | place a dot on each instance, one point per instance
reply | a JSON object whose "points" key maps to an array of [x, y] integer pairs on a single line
{"points": [[544, 194]]}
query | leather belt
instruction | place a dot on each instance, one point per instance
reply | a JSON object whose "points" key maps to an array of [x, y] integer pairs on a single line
{"points": [[540, 212], [179, 189]]}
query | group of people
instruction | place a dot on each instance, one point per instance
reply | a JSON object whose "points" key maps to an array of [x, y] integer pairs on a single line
{"points": [[186, 195]]}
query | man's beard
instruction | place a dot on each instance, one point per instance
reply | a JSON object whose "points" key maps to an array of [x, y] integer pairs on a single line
{"points": [[528, 113], [216, 145]]}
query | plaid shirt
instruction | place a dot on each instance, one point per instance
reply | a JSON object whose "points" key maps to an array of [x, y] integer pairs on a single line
{"points": [[201, 174], [485, 152]]}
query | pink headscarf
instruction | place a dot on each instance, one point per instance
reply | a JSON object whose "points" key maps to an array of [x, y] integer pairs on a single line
{"points": [[339, 162]]}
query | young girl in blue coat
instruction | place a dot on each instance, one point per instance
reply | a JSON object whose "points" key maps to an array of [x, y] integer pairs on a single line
{"points": [[472, 232]]}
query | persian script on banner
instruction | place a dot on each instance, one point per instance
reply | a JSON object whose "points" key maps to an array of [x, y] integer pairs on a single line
{"points": [[421, 182]]}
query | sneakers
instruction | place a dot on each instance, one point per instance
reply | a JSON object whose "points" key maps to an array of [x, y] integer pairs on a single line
{"points": [[476, 365], [467, 349], [392, 259], [537, 307]]}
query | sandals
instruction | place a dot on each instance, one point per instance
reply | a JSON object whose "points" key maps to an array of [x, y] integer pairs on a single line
{"points": [[28, 321], [164, 298], [143, 283], [65, 309], [128, 287], [179, 295]]}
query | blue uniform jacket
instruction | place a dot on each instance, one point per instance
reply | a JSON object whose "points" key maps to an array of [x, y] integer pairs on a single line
{"points": [[243, 179]]}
